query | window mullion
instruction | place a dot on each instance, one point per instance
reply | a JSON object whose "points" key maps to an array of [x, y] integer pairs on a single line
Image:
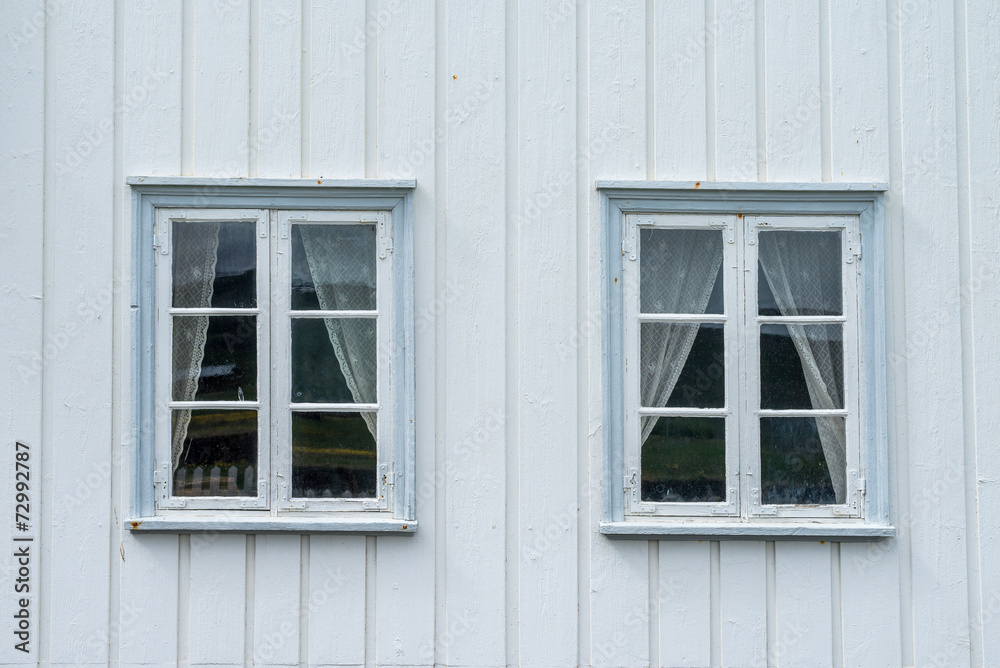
{"points": [[281, 360], [751, 375]]}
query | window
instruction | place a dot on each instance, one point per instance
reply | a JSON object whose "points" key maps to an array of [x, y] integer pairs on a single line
{"points": [[746, 379], [280, 386]]}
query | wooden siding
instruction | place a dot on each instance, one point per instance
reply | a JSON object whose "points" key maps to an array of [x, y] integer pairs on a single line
{"points": [[505, 112]]}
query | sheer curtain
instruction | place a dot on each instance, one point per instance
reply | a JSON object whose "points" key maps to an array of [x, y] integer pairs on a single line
{"points": [[342, 267], [677, 274], [195, 256], [792, 262]]}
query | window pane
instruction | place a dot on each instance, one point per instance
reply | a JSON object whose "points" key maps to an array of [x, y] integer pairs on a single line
{"points": [[214, 265], [216, 453], [684, 460], [794, 455], [682, 365], [334, 360], [802, 366], [799, 273], [333, 455], [333, 267], [215, 358], [680, 271]]}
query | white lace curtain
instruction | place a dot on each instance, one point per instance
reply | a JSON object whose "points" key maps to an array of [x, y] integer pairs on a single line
{"points": [[343, 271], [195, 255], [792, 264], [678, 275], [339, 265]]}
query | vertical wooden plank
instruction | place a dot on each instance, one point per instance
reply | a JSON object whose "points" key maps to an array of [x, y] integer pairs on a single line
{"points": [[679, 42], [150, 108], [22, 112], [735, 92], [276, 601], [475, 383], [869, 572], [618, 570], [276, 146], [336, 86], [794, 96], [859, 98], [406, 147], [220, 147], [869, 577], [546, 384], [78, 293], [742, 565], [983, 21], [275, 151], [336, 602], [218, 599], [743, 575], [221, 87], [684, 598], [803, 606], [933, 332]]}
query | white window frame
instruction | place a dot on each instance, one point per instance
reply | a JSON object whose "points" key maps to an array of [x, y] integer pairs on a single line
{"points": [[740, 211], [273, 205]]}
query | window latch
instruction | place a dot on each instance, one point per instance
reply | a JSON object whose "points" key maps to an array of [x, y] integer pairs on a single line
{"points": [[161, 481], [631, 487]]}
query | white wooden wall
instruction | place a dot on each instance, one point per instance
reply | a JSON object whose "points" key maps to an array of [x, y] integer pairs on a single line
{"points": [[505, 111]]}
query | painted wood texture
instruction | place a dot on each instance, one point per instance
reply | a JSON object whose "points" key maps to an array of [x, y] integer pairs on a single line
{"points": [[506, 113]]}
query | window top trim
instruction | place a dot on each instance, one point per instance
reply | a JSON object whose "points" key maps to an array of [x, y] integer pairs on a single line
{"points": [[321, 187], [760, 189]]}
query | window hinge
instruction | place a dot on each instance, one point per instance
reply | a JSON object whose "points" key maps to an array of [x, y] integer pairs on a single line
{"points": [[161, 481], [629, 242], [262, 225], [853, 246], [381, 502], [160, 241], [384, 238]]}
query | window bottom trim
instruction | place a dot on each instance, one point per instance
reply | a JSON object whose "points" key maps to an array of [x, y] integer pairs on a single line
{"points": [[286, 524], [745, 530]]}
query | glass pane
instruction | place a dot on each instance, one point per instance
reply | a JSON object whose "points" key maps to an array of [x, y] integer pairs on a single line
{"points": [[680, 271], [214, 265], [802, 366], [799, 273], [333, 267], [216, 453], [684, 460], [215, 358], [334, 360], [333, 455], [794, 467], [682, 365]]}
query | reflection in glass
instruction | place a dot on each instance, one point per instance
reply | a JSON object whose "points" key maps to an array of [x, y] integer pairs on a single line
{"points": [[802, 366], [799, 273], [214, 265], [682, 364], [218, 455], [215, 358], [684, 460], [701, 383], [794, 462], [333, 267], [333, 455], [334, 360], [680, 271]]}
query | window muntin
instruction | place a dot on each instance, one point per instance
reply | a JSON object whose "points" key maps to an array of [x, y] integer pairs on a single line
{"points": [[776, 437], [244, 336]]}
